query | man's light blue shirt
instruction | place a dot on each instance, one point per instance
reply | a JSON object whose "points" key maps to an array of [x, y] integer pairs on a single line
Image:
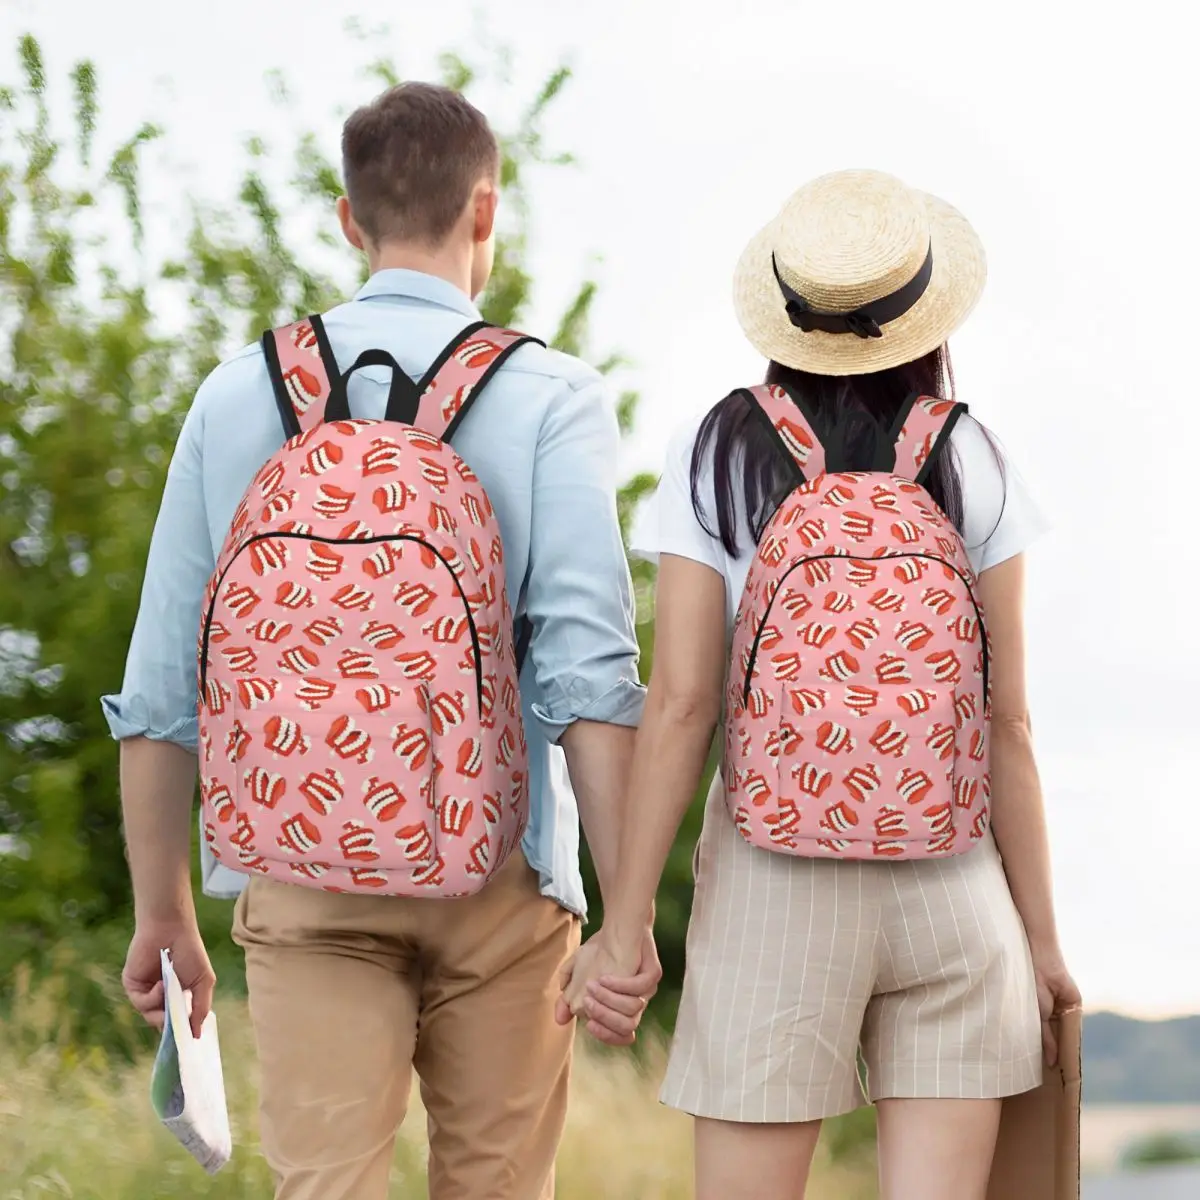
{"points": [[543, 439]]}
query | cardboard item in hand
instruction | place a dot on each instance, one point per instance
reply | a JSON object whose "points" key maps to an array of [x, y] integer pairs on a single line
{"points": [[1037, 1152]]}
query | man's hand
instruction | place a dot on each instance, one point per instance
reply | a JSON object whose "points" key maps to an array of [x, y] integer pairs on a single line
{"points": [[609, 989], [142, 977]]}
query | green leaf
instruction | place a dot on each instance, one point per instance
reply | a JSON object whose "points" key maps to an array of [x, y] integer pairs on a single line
{"points": [[84, 79]]}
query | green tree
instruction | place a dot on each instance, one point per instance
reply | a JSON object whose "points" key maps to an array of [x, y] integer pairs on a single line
{"points": [[93, 386]]}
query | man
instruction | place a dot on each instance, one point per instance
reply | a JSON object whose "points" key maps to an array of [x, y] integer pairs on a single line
{"points": [[349, 992]]}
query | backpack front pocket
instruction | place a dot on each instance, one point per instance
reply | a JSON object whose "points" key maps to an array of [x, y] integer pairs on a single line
{"points": [[323, 785]]}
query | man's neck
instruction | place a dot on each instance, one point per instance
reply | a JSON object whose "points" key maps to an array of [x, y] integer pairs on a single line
{"points": [[452, 265]]}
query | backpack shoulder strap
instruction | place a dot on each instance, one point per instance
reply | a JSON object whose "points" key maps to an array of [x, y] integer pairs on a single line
{"points": [[920, 434], [302, 370], [453, 383], [792, 427]]}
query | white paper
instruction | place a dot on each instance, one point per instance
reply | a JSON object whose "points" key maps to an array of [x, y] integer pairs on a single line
{"points": [[187, 1089]]}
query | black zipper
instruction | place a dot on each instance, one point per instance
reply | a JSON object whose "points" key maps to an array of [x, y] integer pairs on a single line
{"points": [[874, 559], [310, 537]]}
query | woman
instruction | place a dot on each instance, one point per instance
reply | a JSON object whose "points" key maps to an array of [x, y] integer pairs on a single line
{"points": [[921, 938]]}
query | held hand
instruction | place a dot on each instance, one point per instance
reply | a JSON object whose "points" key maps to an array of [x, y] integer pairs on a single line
{"points": [[1056, 992], [609, 989], [142, 977]]}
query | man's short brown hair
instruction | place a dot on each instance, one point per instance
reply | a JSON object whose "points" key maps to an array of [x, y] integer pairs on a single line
{"points": [[410, 159]]}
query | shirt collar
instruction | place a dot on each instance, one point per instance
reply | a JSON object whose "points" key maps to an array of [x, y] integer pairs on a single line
{"points": [[416, 285]]}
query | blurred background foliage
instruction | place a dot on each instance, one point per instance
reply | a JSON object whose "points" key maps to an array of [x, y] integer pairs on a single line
{"points": [[94, 383]]}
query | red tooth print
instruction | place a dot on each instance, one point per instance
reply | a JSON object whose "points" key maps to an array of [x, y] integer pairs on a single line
{"points": [[891, 668], [857, 526], [411, 746], [324, 562], [322, 458], [416, 842], [264, 787], [862, 633], [269, 479], [415, 598], [356, 531], [303, 387], [470, 758], [324, 630], [240, 658], [811, 779], [323, 791], [348, 741], [860, 700], [393, 497], [913, 635], [383, 457], [354, 598], [381, 635], [299, 660], [269, 630], [358, 843], [786, 666], [284, 736], [332, 501], [839, 818], [375, 698], [890, 739], [299, 834], [269, 555], [381, 562], [862, 781], [313, 692], [294, 596], [913, 786], [834, 738], [277, 506], [383, 799]]}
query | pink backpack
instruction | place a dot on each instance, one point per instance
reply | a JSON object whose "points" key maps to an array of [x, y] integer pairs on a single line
{"points": [[857, 708], [360, 723]]}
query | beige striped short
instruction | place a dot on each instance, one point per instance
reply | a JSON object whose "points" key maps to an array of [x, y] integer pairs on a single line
{"points": [[798, 968]]}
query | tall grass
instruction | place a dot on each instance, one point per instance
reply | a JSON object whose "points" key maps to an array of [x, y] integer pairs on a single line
{"points": [[77, 1122]]}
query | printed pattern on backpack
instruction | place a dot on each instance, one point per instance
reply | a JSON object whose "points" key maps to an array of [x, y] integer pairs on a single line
{"points": [[857, 706], [359, 707]]}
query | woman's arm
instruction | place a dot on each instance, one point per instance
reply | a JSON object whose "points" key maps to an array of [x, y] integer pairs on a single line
{"points": [[683, 705], [1018, 815]]}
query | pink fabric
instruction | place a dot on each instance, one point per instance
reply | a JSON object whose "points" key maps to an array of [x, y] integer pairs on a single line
{"points": [[303, 372], [797, 434], [865, 729], [360, 719], [919, 433], [460, 373]]}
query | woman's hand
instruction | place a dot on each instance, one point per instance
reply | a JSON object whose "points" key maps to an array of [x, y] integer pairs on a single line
{"points": [[610, 987], [1056, 992]]}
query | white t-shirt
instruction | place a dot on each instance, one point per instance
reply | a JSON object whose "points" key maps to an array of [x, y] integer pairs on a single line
{"points": [[1000, 518]]}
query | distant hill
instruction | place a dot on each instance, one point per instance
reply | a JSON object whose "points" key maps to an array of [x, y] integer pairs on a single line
{"points": [[1126, 1061]]}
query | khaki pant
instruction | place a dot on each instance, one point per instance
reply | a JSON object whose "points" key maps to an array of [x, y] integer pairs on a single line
{"points": [[349, 993]]}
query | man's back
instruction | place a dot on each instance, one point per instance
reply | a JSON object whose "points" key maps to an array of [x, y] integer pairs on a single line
{"points": [[351, 990], [543, 440]]}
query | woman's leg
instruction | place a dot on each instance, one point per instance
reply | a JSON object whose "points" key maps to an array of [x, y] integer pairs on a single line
{"points": [[768, 1162], [936, 1149]]}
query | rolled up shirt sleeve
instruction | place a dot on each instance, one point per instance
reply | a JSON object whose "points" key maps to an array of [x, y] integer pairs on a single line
{"points": [[579, 596], [158, 696]]}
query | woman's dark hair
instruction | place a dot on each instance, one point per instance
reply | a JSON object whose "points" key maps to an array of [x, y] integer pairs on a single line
{"points": [[860, 408]]}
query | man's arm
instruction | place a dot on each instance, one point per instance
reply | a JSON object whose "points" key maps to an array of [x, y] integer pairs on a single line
{"points": [[579, 599], [155, 719]]}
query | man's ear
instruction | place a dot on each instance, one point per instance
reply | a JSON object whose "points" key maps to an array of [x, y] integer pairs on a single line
{"points": [[487, 197], [350, 229]]}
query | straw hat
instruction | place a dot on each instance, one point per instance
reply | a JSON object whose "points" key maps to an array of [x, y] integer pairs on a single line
{"points": [[857, 273]]}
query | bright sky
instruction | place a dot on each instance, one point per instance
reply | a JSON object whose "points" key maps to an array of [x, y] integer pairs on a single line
{"points": [[1067, 136]]}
